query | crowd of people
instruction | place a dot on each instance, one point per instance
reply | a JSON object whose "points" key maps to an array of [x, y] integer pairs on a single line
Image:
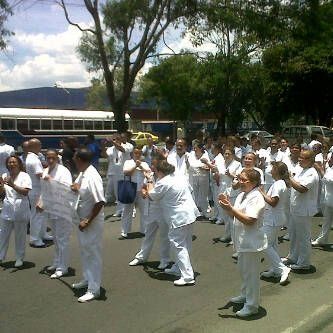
{"points": [[254, 190]]}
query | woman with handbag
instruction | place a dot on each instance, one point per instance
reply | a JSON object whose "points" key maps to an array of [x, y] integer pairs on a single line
{"points": [[135, 169], [15, 213]]}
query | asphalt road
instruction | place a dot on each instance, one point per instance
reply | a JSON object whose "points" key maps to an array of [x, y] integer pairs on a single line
{"points": [[143, 299]]}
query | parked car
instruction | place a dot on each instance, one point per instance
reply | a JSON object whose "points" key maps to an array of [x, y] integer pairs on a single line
{"points": [[140, 138], [305, 131], [264, 135]]}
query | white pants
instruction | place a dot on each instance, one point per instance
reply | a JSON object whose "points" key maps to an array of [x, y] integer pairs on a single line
{"points": [[148, 242], [90, 241], [218, 210], [229, 222], [181, 241], [127, 217], [111, 191], [61, 230], [249, 268], [200, 185], [326, 227], [37, 220], [6, 228], [300, 239], [272, 249]]}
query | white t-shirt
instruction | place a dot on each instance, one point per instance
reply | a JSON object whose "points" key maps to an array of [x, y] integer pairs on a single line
{"points": [[91, 192], [34, 168], [148, 153], [116, 160], [16, 206], [197, 168], [234, 167], [128, 150], [179, 162], [305, 204], [250, 238], [176, 200], [5, 152], [276, 216], [327, 181], [138, 174]]}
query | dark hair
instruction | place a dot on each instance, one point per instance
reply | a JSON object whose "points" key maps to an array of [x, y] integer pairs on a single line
{"points": [[50, 150], [164, 167], [19, 161], [229, 148], [253, 176], [84, 155], [283, 172]]}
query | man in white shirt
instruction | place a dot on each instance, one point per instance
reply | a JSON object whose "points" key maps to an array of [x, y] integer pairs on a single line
{"points": [[180, 159], [34, 169], [5, 152]]}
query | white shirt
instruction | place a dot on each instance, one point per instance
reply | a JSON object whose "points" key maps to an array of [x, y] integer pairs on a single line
{"points": [[116, 160], [197, 168], [59, 173], [34, 168], [293, 167], [16, 206], [176, 201], [148, 153], [276, 216], [5, 152], [305, 204], [128, 150], [91, 192], [138, 174], [327, 181], [179, 163], [234, 167], [249, 238]]}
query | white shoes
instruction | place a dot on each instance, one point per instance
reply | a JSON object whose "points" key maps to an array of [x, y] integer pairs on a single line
{"points": [[182, 282], [18, 263], [136, 262], [317, 243], [51, 268], [48, 237], [117, 214], [80, 285], [238, 299], [235, 256], [286, 237], [219, 222], [174, 270], [284, 275], [37, 243], [88, 296], [246, 312], [58, 274]]}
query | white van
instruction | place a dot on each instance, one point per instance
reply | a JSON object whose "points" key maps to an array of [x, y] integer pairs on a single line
{"points": [[305, 131]]}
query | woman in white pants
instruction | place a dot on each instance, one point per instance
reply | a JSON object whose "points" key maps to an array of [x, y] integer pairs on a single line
{"points": [[90, 210], [135, 168], [327, 182], [154, 221], [15, 213], [61, 229], [180, 212], [277, 203], [233, 168], [199, 178], [249, 240]]}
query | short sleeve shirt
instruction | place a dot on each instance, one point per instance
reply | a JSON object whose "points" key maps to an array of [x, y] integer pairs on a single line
{"points": [[34, 168]]}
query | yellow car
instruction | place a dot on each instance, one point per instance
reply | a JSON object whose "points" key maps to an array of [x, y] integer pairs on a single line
{"points": [[140, 138]]}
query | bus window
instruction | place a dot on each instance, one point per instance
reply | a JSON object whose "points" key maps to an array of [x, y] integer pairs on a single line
{"points": [[68, 124], [46, 124], [98, 124], [57, 124], [89, 124], [34, 124], [22, 124], [7, 124], [108, 125], [78, 124]]}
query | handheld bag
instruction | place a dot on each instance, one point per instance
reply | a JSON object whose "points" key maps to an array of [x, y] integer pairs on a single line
{"points": [[126, 190]]}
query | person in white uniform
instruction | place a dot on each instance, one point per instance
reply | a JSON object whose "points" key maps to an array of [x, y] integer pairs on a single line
{"points": [[277, 203], [154, 221], [199, 178], [180, 212], [15, 214], [136, 169], [149, 150], [116, 156], [303, 206], [179, 159], [61, 229], [249, 240], [90, 210], [5, 152], [35, 169], [327, 182]]}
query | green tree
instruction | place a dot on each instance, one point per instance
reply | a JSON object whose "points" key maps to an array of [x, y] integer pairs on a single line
{"points": [[130, 34], [5, 11]]}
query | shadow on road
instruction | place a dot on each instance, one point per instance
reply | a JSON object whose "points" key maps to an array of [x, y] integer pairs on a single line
{"points": [[311, 270], [236, 307], [10, 265]]}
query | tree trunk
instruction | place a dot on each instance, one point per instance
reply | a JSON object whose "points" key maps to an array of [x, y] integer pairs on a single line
{"points": [[119, 110], [221, 123]]}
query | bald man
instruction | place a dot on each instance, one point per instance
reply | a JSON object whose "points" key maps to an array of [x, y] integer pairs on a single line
{"points": [[35, 170]]}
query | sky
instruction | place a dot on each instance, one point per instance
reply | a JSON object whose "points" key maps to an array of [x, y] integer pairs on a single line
{"points": [[43, 50]]}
